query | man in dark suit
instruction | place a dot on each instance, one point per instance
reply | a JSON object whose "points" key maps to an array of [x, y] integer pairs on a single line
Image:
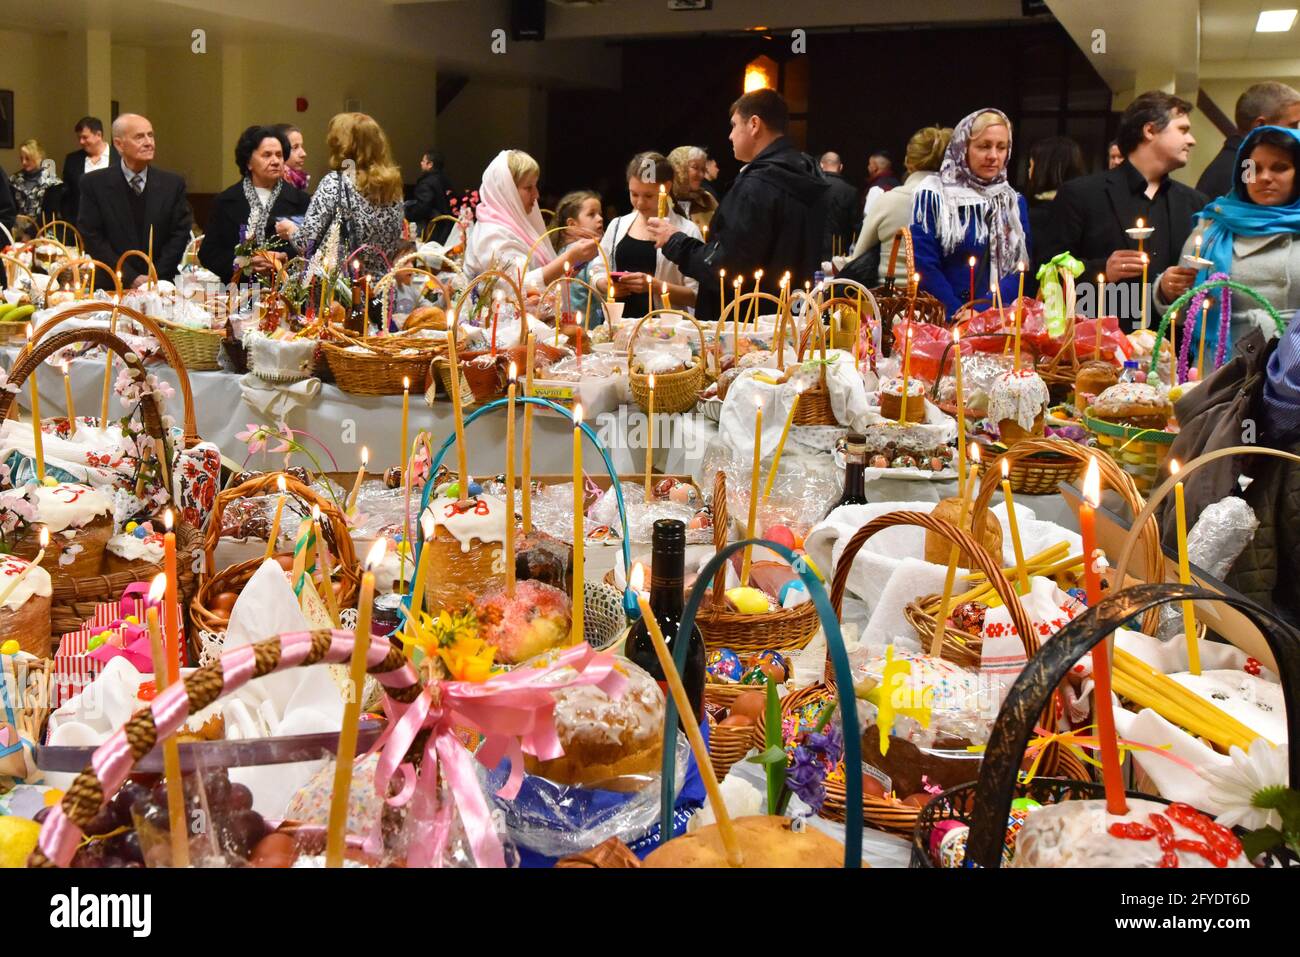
{"points": [[124, 205], [94, 154], [1091, 213], [1264, 104], [843, 212], [430, 196]]}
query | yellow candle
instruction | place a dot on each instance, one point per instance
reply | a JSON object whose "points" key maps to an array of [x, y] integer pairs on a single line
{"points": [[736, 308], [526, 472], [663, 288], [67, 394], [663, 200], [178, 830], [461, 459], [693, 736], [579, 530], [1022, 573], [1145, 262], [753, 493], [338, 820], [326, 568], [961, 410], [780, 447], [954, 555], [1020, 311], [34, 563], [361, 477], [428, 524], [510, 482], [1200, 349], [1101, 308], [272, 538], [300, 557], [406, 484], [38, 439], [722, 297], [907, 369], [650, 293], [752, 314], [650, 438], [1185, 574]]}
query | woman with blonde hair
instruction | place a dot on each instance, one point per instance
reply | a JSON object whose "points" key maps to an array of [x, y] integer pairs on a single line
{"points": [[508, 224], [696, 202], [892, 210], [361, 195], [36, 188]]}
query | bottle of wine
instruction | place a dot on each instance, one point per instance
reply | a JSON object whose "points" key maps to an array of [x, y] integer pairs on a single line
{"points": [[855, 463], [356, 321], [667, 598]]}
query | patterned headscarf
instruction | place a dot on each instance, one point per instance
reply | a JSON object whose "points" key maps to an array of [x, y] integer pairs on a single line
{"points": [[955, 195]]}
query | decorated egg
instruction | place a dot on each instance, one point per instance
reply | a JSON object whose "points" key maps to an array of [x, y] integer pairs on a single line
{"points": [[748, 601], [96, 641], [879, 461], [701, 520], [774, 658], [131, 527], [724, 665], [755, 676], [781, 535], [223, 603], [140, 532], [683, 494], [10, 647]]}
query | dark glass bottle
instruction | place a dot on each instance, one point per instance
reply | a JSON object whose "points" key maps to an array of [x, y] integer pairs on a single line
{"points": [[356, 321], [855, 463], [667, 598]]}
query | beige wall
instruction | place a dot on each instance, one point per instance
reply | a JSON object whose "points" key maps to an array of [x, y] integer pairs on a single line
{"points": [[486, 117], [28, 69], [1209, 140]]}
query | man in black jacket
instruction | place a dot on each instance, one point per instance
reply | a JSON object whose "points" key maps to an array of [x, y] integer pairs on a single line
{"points": [[1091, 213], [1264, 104], [771, 218], [124, 205], [8, 208], [94, 154], [430, 198], [843, 214]]}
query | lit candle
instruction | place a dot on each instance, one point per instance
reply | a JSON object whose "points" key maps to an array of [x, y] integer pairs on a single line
{"points": [[1020, 309], [961, 410], [171, 609], [1200, 349], [971, 301], [458, 417], [177, 828], [736, 308], [1185, 573], [691, 726], [1101, 309], [429, 524], [663, 200], [406, 465], [752, 314], [67, 394], [526, 472], [907, 369], [274, 537], [954, 556], [1102, 704], [663, 289], [753, 493], [326, 568], [579, 531], [34, 563], [38, 439], [780, 447], [510, 481], [1022, 573], [1146, 260], [1196, 244], [1141, 232], [650, 438], [339, 800], [722, 297], [356, 486], [650, 293]]}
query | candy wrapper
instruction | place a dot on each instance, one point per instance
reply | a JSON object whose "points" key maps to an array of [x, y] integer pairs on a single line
{"points": [[1220, 534]]}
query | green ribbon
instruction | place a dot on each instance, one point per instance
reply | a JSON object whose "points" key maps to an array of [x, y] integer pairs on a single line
{"points": [[307, 541], [1049, 287]]}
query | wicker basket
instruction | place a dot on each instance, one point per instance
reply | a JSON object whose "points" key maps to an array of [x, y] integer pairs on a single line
{"points": [[732, 315], [380, 370], [233, 578], [727, 746], [893, 304], [1038, 472], [815, 402], [74, 598], [198, 348], [786, 629], [1141, 453], [674, 391], [483, 388], [723, 695]]}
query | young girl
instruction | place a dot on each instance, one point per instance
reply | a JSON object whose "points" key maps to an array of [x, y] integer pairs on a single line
{"points": [[580, 211]]}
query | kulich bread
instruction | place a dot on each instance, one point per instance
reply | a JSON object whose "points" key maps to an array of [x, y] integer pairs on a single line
{"points": [[467, 545], [891, 399], [80, 522], [606, 739], [1094, 378], [1017, 402], [142, 557], [1134, 403], [937, 547], [764, 840], [25, 614]]}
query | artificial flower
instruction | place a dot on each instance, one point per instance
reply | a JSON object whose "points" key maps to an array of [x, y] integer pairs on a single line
{"points": [[469, 659], [1235, 788]]}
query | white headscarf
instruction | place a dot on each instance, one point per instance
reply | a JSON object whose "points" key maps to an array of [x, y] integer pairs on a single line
{"points": [[499, 205]]}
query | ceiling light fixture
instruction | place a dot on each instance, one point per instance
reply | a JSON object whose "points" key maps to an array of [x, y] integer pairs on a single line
{"points": [[1275, 21]]}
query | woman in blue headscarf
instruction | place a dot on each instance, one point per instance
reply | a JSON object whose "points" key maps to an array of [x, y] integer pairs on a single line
{"points": [[1253, 235]]}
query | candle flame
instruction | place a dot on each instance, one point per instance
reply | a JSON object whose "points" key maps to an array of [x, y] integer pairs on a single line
{"points": [[158, 587], [1101, 279], [664, 287], [1006, 467], [376, 553], [652, 382], [1021, 265], [972, 262], [739, 282], [356, 265], [315, 514], [1205, 304], [577, 414], [637, 580], [406, 383], [975, 453], [722, 274], [279, 483], [758, 274], [662, 189], [567, 267], [514, 372], [1174, 467], [916, 277], [168, 520], [365, 455], [1092, 483], [45, 537], [1141, 222], [428, 522], [956, 336], [64, 363], [1145, 259]]}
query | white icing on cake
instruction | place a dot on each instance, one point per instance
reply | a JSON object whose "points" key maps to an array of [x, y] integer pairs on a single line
{"points": [[473, 522], [36, 583], [1018, 396], [586, 713], [894, 386], [64, 506], [1076, 834], [1253, 701], [129, 548], [1118, 397]]}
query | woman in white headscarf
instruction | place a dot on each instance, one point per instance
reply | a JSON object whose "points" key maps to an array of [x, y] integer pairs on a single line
{"points": [[508, 222]]}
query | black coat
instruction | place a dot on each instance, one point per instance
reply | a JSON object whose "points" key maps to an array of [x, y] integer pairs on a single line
{"points": [[230, 212], [109, 228], [429, 199], [8, 208], [843, 214], [772, 219], [1216, 181], [74, 168], [1090, 215]]}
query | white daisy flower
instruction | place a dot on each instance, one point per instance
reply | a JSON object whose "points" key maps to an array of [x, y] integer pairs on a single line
{"points": [[1234, 786]]}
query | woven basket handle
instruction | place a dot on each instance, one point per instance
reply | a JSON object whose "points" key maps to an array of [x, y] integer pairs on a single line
{"points": [[591, 290], [75, 265], [138, 254], [782, 318], [901, 238], [30, 359], [89, 791], [168, 349], [428, 230], [61, 224], [483, 277], [1032, 689], [336, 526], [15, 261], [987, 564], [631, 340], [721, 527]]}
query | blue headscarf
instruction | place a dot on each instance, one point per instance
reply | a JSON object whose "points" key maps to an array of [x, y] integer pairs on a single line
{"points": [[1236, 214]]}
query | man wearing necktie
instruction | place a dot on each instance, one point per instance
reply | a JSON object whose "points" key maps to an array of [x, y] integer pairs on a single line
{"points": [[122, 205]]}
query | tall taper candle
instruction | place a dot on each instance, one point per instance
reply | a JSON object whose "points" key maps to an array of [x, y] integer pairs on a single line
{"points": [[579, 528], [510, 482]]}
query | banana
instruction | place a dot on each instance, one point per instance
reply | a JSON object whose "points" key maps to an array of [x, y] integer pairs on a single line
{"points": [[18, 315], [6, 307]]}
